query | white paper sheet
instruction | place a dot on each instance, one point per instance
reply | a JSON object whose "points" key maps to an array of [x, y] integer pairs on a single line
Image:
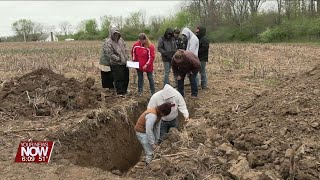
{"points": [[132, 64]]}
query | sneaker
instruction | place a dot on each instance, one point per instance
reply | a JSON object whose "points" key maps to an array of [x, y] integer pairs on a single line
{"points": [[140, 94], [121, 95]]}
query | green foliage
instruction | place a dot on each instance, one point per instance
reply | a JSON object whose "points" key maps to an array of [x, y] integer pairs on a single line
{"points": [[301, 29], [105, 26], [91, 27], [23, 28]]}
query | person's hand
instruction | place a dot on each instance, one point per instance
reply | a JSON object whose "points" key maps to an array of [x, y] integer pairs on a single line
{"points": [[145, 67], [178, 77], [154, 146], [186, 120]]}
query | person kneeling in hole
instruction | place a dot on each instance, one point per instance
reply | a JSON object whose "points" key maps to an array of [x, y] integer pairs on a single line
{"points": [[148, 128]]}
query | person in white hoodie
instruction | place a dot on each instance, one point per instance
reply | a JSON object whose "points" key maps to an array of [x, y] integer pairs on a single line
{"points": [[169, 94], [193, 41]]}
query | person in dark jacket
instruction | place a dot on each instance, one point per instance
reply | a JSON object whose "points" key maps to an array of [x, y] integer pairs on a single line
{"points": [[186, 63], [179, 40], [203, 54], [167, 47], [104, 66], [117, 52]]}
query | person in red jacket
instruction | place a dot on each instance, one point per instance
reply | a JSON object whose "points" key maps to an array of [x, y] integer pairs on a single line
{"points": [[143, 51]]}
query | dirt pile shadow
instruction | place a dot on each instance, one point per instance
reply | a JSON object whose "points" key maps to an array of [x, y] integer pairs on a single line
{"points": [[46, 93]]}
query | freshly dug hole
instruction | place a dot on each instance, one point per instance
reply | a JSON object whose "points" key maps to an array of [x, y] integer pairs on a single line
{"points": [[105, 139]]}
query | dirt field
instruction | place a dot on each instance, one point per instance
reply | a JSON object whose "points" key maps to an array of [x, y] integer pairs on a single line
{"points": [[259, 118]]}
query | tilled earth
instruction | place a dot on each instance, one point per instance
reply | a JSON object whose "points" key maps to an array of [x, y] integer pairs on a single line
{"points": [[242, 127]]}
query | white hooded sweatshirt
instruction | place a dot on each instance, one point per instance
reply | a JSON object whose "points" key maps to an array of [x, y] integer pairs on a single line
{"points": [[169, 94], [193, 41]]}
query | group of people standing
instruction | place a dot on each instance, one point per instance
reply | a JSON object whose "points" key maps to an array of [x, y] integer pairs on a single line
{"points": [[185, 54]]}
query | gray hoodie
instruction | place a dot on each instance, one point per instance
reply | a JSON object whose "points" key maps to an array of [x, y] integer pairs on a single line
{"points": [[193, 41], [116, 49]]}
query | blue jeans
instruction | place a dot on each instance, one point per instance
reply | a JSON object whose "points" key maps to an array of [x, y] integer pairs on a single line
{"points": [[140, 81], [142, 137], [193, 83], [166, 125], [203, 73], [167, 67]]}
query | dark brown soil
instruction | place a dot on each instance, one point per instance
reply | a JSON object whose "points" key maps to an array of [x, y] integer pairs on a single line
{"points": [[45, 93]]}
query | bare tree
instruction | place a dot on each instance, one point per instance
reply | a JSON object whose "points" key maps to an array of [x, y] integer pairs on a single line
{"points": [[65, 27], [238, 11], [38, 28], [255, 5], [312, 7], [318, 7], [118, 22], [279, 9], [155, 23]]}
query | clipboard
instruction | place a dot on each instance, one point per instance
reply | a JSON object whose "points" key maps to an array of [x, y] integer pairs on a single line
{"points": [[133, 64]]}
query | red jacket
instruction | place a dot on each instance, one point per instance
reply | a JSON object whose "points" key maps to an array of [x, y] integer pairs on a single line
{"points": [[143, 55]]}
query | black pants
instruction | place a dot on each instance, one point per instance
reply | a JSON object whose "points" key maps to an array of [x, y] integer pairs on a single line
{"points": [[121, 78], [107, 79]]}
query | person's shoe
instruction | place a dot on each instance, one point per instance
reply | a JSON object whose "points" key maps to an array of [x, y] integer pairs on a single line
{"points": [[121, 95], [194, 97], [140, 94]]}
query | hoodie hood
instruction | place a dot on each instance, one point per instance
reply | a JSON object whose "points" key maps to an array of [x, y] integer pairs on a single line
{"points": [[114, 30], [187, 32], [168, 31], [168, 92], [202, 32]]}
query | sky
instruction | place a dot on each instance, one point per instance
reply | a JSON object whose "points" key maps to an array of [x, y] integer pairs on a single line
{"points": [[55, 12]]}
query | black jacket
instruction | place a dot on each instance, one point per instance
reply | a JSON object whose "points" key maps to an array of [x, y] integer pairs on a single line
{"points": [[180, 43], [203, 44]]}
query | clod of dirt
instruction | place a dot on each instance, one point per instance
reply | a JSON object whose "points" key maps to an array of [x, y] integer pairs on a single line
{"points": [[238, 169]]}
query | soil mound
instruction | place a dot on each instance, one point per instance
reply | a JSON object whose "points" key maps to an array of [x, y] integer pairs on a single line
{"points": [[274, 137], [298, 96], [279, 130], [46, 93]]}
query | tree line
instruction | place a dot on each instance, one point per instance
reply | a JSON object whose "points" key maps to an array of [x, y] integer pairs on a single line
{"points": [[225, 20]]}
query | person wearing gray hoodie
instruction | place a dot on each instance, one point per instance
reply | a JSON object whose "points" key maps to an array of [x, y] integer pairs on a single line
{"points": [[193, 41], [117, 53]]}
